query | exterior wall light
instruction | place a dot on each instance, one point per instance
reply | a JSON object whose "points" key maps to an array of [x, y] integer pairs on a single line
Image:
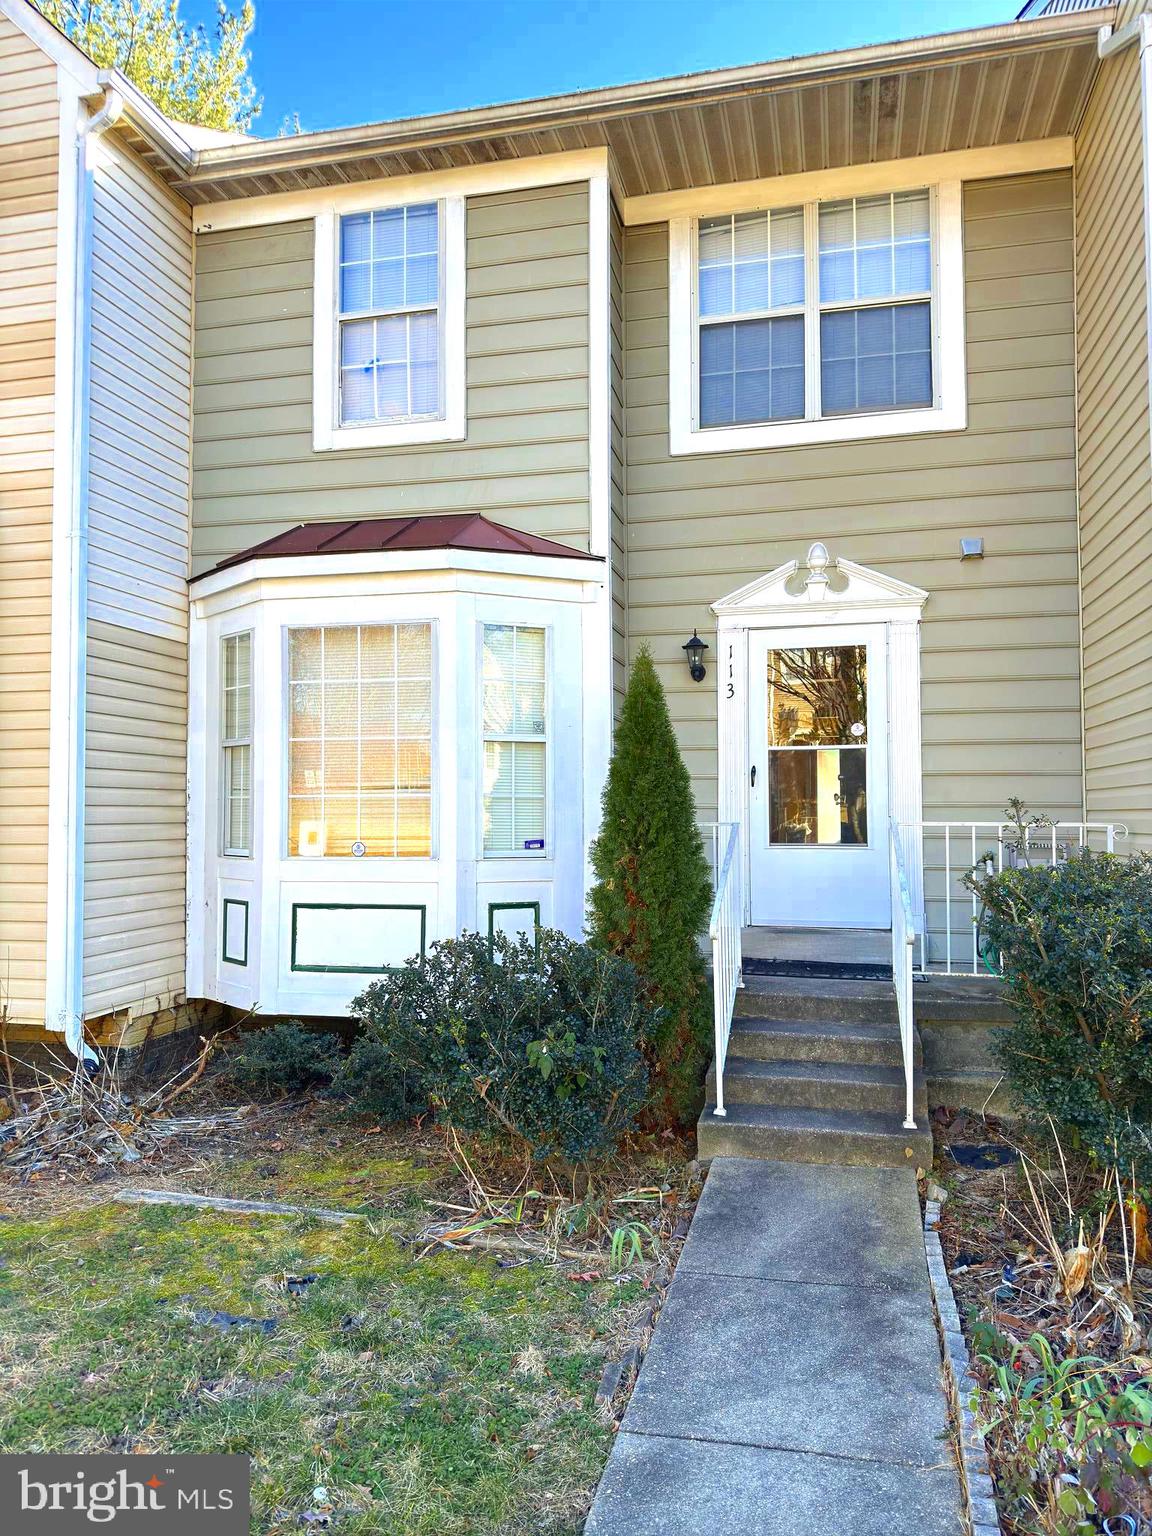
{"points": [[694, 650], [971, 549]]}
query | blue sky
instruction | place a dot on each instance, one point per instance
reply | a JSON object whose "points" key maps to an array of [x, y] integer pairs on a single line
{"points": [[339, 62]]}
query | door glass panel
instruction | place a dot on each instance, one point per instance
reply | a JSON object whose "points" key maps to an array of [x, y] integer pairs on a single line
{"points": [[817, 738], [818, 696]]}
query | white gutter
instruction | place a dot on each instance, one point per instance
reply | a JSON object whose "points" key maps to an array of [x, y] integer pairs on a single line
{"points": [[64, 948], [1108, 42]]}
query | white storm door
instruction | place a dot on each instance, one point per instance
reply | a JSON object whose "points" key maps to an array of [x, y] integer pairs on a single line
{"points": [[818, 777]]}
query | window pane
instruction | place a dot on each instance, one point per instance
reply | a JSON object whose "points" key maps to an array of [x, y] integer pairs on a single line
{"points": [[236, 736], [752, 370], [876, 359], [818, 797], [818, 696], [360, 740], [751, 262], [875, 247], [513, 685]]}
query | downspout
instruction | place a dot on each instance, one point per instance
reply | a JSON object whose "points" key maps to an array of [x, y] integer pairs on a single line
{"points": [[109, 107]]}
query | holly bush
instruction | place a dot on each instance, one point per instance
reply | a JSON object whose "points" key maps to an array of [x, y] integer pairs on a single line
{"points": [[534, 1041], [1075, 948]]}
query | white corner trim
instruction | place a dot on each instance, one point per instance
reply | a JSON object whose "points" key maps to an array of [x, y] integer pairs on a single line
{"points": [[949, 413], [851, 180], [327, 432], [574, 165], [597, 709], [64, 939]]}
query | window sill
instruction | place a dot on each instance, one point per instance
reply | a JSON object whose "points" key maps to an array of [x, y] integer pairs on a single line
{"points": [[833, 429], [390, 434]]}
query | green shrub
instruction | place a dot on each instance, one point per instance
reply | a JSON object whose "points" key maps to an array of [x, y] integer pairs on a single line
{"points": [[533, 1043], [371, 1078], [653, 893], [286, 1057], [1075, 947]]}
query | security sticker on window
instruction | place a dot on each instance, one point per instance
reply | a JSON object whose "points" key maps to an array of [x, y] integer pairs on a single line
{"points": [[62, 1495]]}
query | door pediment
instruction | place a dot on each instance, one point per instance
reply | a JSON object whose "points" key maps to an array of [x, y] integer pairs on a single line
{"points": [[820, 588]]}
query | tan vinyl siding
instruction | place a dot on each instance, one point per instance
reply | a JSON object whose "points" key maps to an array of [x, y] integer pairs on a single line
{"points": [[525, 461], [135, 798], [135, 819], [617, 450], [1114, 462], [140, 398], [29, 154], [1001, 635]]}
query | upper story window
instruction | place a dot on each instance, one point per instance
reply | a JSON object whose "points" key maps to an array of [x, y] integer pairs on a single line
{"points": [[388, 330], [360, 741], [817, 322], [390, 315]]}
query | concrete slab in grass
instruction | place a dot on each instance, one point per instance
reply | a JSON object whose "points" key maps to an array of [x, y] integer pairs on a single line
{"points": [[821, 1368], [659, 1487], [808, 1222]]}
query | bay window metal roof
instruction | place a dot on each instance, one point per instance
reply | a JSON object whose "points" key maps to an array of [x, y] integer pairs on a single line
{"points": [[391, 535]]}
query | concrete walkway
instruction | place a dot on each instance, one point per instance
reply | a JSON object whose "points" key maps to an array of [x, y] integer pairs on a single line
{"points": [[793, 1385]]}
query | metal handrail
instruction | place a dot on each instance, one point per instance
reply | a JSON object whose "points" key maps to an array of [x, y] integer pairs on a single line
{"points": [[903, 942], [725, 925]]}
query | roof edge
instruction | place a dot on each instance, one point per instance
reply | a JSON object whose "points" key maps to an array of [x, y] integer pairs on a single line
{"points": [[534, 113]]}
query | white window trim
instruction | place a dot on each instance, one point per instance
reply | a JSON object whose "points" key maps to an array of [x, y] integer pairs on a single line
{"points": [[547, 852], [948, 413], [328, 433]]}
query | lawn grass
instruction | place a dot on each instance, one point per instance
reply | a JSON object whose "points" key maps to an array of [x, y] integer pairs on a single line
{"points": [[428, 1394]]}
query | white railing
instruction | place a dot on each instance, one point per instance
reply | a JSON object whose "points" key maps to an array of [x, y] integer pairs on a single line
{"points": [[950, 931], [724, 932], [903, 943]]}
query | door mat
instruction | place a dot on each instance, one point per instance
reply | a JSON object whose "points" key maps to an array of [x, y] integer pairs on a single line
{"points": [[819, 970]]}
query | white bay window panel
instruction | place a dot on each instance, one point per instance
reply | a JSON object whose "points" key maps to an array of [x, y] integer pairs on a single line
{"points": [[360, 741], [236, 739], [514, 712]]}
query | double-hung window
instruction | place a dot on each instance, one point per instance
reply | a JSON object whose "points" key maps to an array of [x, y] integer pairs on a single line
{"points": [[360, 741], [514, 709], [236, 740], [388, 337], [817, 322]]}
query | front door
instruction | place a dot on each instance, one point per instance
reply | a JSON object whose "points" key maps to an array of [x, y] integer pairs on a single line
{"points": [[818, 777]]}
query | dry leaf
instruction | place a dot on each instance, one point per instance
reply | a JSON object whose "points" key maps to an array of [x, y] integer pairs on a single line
{"points": [[1142, 1245]]}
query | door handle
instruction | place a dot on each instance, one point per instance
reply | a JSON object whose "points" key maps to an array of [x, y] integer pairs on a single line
{"points": [[753, 775]]}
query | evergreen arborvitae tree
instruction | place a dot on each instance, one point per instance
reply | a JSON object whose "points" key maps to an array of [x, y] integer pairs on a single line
{"points": [[653, 892]]}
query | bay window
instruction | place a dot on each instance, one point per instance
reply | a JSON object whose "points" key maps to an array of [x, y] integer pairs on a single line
{"points": [[514, 711], [817, 322], [360, 741]]}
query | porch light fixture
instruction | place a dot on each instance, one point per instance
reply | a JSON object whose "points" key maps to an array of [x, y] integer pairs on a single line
{"points": [[695, 649]]}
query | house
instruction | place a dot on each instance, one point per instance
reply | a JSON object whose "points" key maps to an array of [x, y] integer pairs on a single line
{"points": [[342, 473]]}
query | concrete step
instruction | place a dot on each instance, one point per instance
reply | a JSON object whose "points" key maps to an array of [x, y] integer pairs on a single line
{"points": [[826, 1040], [797, 997], [818, 1085], [786, 1133]]}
